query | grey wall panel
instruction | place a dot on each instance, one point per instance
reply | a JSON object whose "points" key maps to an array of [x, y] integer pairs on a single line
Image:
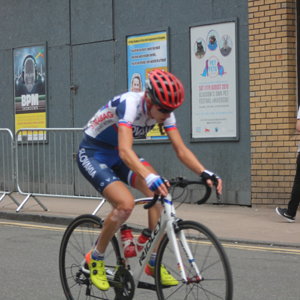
{"points": [[87, 48], [91, 21], [6, 87], [221, 9], [93, 73], [229, 159], [137, 16], [59, 106], [34, 21]]}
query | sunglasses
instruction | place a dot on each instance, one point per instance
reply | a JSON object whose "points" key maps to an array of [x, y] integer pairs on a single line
{"points": [[160, 109], [164, 111]]}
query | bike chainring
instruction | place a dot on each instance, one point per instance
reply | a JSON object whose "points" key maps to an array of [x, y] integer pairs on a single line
{"points": [[126, 292]]}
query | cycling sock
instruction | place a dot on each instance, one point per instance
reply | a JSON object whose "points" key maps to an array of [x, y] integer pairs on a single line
{"points": [[96, 255], [152, 260]]}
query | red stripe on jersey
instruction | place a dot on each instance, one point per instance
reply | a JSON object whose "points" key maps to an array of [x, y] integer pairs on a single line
{"points": [[133, 176], [170, 128], [128, 125]]}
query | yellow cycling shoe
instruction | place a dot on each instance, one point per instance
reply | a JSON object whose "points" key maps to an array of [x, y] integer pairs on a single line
{"points": [[165, 276], [97, 272]]}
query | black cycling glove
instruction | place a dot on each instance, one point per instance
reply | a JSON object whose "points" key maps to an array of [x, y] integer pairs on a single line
{"points": [[205, 175]]}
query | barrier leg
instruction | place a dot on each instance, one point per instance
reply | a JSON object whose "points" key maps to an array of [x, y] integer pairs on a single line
{"points": [[23, 203], [27, 198], [98, 207], [2, 197], [40, 203], [11, 197]]}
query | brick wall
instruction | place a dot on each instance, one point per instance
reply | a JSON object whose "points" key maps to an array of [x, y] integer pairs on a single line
{"points": [[272, 65]]}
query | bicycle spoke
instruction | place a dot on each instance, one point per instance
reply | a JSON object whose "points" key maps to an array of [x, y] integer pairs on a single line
{"points": [[78, 239], [193, 265], [206, 252]]}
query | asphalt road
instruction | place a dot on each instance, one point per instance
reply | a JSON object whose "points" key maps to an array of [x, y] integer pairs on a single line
{"points": [[29, 266]]}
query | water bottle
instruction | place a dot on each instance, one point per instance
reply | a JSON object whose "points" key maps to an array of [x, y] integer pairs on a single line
{"points": [[127, 241], [142, 239]]}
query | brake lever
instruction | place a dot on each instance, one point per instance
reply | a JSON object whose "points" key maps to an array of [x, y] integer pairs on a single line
{"points": [[156, 196], [215, 183]]}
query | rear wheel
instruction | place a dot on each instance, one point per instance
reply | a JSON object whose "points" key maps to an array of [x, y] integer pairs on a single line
{"points": [[79, 238], [210, 258]]}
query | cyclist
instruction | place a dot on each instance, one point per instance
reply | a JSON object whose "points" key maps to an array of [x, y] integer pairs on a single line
{"points": [[107, 159]]}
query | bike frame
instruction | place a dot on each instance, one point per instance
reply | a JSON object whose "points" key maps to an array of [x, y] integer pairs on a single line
{"points": [[170, 239], [166, 224]]}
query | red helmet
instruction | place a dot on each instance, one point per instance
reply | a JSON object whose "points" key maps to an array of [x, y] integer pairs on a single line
{"points": [[165, 89]]}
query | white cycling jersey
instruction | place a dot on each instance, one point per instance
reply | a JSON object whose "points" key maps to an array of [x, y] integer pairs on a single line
{"points": [[128, 109]]}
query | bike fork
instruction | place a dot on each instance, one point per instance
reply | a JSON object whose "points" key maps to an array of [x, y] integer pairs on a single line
{"points": [[187, 250], [172, 239], [190, 256]]}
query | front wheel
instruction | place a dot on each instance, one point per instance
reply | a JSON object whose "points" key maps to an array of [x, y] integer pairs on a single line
{"points": [[79, 238], [215, 280]]}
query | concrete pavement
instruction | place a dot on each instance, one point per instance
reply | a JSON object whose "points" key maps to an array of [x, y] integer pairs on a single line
{"points": [[230, 223]]}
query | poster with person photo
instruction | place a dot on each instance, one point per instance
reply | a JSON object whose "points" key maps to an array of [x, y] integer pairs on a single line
{"points": [[30, 90], [146, 52]]}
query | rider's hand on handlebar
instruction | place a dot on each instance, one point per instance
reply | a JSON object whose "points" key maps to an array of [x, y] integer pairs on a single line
{"points": [[157, 184], [212, 179]]}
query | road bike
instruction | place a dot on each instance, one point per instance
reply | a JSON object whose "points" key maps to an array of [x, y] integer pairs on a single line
{"points": [[187, 249]]}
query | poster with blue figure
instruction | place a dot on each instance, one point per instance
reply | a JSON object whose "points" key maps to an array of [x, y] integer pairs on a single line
{"points": [[213, 81]]}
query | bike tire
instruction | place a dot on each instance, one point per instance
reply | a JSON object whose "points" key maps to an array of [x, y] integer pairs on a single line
{"points": [[79, 238], [210, 258]]}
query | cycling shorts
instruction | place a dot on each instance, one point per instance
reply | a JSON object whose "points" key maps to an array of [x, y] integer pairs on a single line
{"points": [[103, 166]]}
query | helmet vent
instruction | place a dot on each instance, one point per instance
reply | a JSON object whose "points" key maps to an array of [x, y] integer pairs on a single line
{"points": [[166, 89]]}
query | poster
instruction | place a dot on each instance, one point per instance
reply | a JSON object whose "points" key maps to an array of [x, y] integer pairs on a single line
{"points": [[30, 90], [146, 52], [213, 81]]}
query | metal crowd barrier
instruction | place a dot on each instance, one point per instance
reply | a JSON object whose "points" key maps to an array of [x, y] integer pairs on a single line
{"points": [[7, 165], [46, 165], [41, 162]]}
